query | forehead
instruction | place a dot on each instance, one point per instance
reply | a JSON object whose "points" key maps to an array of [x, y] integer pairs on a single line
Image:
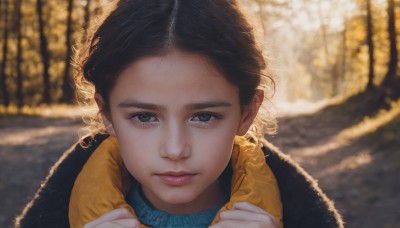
{"points": [[183, 77]]}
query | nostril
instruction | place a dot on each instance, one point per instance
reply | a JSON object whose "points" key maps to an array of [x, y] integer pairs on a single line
{"points": [[176, 152]]}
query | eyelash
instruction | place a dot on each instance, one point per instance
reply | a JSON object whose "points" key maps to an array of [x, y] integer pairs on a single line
{"points": [[135, 117], [209, 115], [212, 116]]}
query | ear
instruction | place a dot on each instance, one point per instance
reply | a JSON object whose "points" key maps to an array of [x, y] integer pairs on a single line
{"points": [[250, 112], [106, 117]]}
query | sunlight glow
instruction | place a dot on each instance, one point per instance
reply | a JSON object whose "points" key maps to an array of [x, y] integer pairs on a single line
{"points": [[365, 127], [370, 125], [51, 111], [32, 136], [352, 162], [313, 14]]}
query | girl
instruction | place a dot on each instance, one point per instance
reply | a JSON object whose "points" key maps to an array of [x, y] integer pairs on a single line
{"points": [[178, 85]]}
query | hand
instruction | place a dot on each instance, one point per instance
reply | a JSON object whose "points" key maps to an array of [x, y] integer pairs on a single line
{"points": [[120, 217], [244, 214]]}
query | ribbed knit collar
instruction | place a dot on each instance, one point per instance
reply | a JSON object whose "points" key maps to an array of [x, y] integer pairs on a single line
{"points": [[153, 217]]}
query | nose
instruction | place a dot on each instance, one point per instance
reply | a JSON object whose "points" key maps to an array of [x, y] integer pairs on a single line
{"points": [[175, 145]]}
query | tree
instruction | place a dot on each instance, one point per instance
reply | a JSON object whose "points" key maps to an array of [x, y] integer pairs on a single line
{"points": [[20, 96], [44, 54], [344, 47], [392, 65], [324, 32], [67, 90], [370, 43], [86, 21], [1, 13], [5, 95]]}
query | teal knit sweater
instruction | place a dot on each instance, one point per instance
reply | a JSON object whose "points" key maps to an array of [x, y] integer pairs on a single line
{"points": [[153, 217]]}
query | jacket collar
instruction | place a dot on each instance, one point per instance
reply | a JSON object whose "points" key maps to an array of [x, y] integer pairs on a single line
{"points": [[98, 191]]}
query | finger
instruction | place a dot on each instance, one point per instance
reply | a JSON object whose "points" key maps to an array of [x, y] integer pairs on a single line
{"points": [[246, 206], [120, 213], [239, 215], [129, 223], [115, 224], [231, 224], [246, 215]]}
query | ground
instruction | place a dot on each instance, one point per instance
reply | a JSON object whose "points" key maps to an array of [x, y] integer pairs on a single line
{"points": [[352, 148], [355, 158], [29, 146]]}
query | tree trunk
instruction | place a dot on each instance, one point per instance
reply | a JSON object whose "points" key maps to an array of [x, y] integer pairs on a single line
{"points": [[1, 15], [20, 96], [370, 43], [344, 48], [5, 95], [44, 54], [335, 75], [324, 34], [392, 66], [338, 71], [67, 90], [86, 21]]}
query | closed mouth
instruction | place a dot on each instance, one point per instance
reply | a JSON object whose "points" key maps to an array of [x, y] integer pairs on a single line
{"points": [[173, 178], [175, 173]]}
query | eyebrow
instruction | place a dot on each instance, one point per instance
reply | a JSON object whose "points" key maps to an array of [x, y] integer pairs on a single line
{"points": [[191, 106], [137, 104], [208, 104]]}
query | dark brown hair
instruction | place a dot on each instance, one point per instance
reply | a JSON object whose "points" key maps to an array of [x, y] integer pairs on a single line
{"points": [[133, 29]]}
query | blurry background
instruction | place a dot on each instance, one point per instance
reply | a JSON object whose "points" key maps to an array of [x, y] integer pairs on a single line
{"points": [[337, 95]]}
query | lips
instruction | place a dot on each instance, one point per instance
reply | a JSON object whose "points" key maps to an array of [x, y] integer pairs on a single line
{"points": [[176, 178]]}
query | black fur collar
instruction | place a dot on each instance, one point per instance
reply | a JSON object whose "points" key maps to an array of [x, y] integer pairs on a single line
{"points": [[304, 203]]}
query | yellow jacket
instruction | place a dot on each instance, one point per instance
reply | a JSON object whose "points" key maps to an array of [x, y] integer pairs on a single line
{"points": [[102, 184]]}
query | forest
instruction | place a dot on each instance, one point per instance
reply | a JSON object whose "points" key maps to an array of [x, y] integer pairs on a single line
{"points": [[328, 48], [337, 95]]}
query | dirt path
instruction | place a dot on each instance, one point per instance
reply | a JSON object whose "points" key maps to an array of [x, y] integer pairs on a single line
{"points": [[355, 159], [357, 167], [29, 146]]}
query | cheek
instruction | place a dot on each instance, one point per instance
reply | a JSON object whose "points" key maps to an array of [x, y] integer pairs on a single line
{"points": [[216, 147], [218, 142], [139, 163], [216, 158], [135, 149]]}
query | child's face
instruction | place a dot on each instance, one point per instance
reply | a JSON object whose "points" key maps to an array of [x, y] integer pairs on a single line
{"points": [[175, 117]]}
